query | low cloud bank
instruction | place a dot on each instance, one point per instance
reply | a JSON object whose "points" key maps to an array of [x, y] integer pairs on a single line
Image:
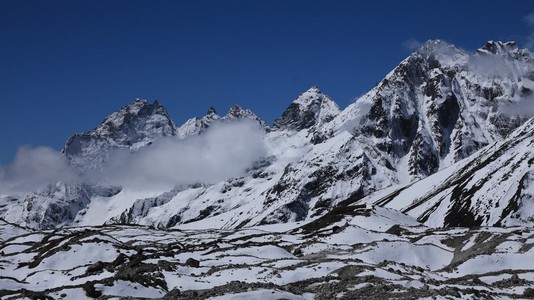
{"points": [[523, 108], [34, 169], [529, 39], [493, 66], [225, 150]]}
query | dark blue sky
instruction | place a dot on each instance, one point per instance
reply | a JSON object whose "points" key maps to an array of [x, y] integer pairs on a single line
{"points": [[65, 65]]}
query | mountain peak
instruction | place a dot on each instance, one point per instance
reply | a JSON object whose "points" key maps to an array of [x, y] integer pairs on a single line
{"points": [[139, 100], [434, 42], [432, 45], [211, 111], [310, 108], [131, 113], [237, 112], [211, 115], [314, 89], [131, 127], [198, 125], [310, 95], [440, 49]]}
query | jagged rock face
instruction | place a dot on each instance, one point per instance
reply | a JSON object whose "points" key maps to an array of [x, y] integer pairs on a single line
{"points": [[311, 108], [501, 48], [440, 105], [493, 188], [132, 127], [238, 113]]}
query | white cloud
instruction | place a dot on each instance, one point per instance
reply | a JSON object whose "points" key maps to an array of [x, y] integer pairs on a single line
{"points": [[492, 66], [523, 108], [34, 169], [411, 44], [529, 19], [225, 150], [529, 41]]}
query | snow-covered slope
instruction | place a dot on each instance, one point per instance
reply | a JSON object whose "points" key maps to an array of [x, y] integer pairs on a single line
{"points": [[439, 106], [56, 205], [494, 187]]}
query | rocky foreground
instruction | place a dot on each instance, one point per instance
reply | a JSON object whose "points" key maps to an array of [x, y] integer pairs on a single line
{"points": [[354, 252]]}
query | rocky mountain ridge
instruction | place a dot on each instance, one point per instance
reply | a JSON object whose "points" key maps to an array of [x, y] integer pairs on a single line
{"points": [[438, 107]]}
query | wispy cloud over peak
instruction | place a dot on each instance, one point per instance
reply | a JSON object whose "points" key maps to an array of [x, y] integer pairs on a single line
{"points": [[411, 44], [223, 151], [529, 19]]}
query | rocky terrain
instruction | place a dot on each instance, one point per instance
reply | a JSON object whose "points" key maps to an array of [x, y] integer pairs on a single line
{"points": [[353, 252]]}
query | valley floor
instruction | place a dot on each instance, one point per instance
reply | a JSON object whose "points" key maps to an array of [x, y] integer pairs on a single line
{"points": [[355, 252]]}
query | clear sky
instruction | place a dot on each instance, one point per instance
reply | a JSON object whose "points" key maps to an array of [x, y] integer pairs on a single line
{"points": [[65, 65]]}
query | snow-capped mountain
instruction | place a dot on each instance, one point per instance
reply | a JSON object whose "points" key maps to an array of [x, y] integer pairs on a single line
{"points": [[439, 106]]}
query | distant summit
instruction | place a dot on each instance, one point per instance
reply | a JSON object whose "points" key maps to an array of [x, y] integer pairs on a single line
{"points": [[238, 113], [131, 127], [311, 108]]}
